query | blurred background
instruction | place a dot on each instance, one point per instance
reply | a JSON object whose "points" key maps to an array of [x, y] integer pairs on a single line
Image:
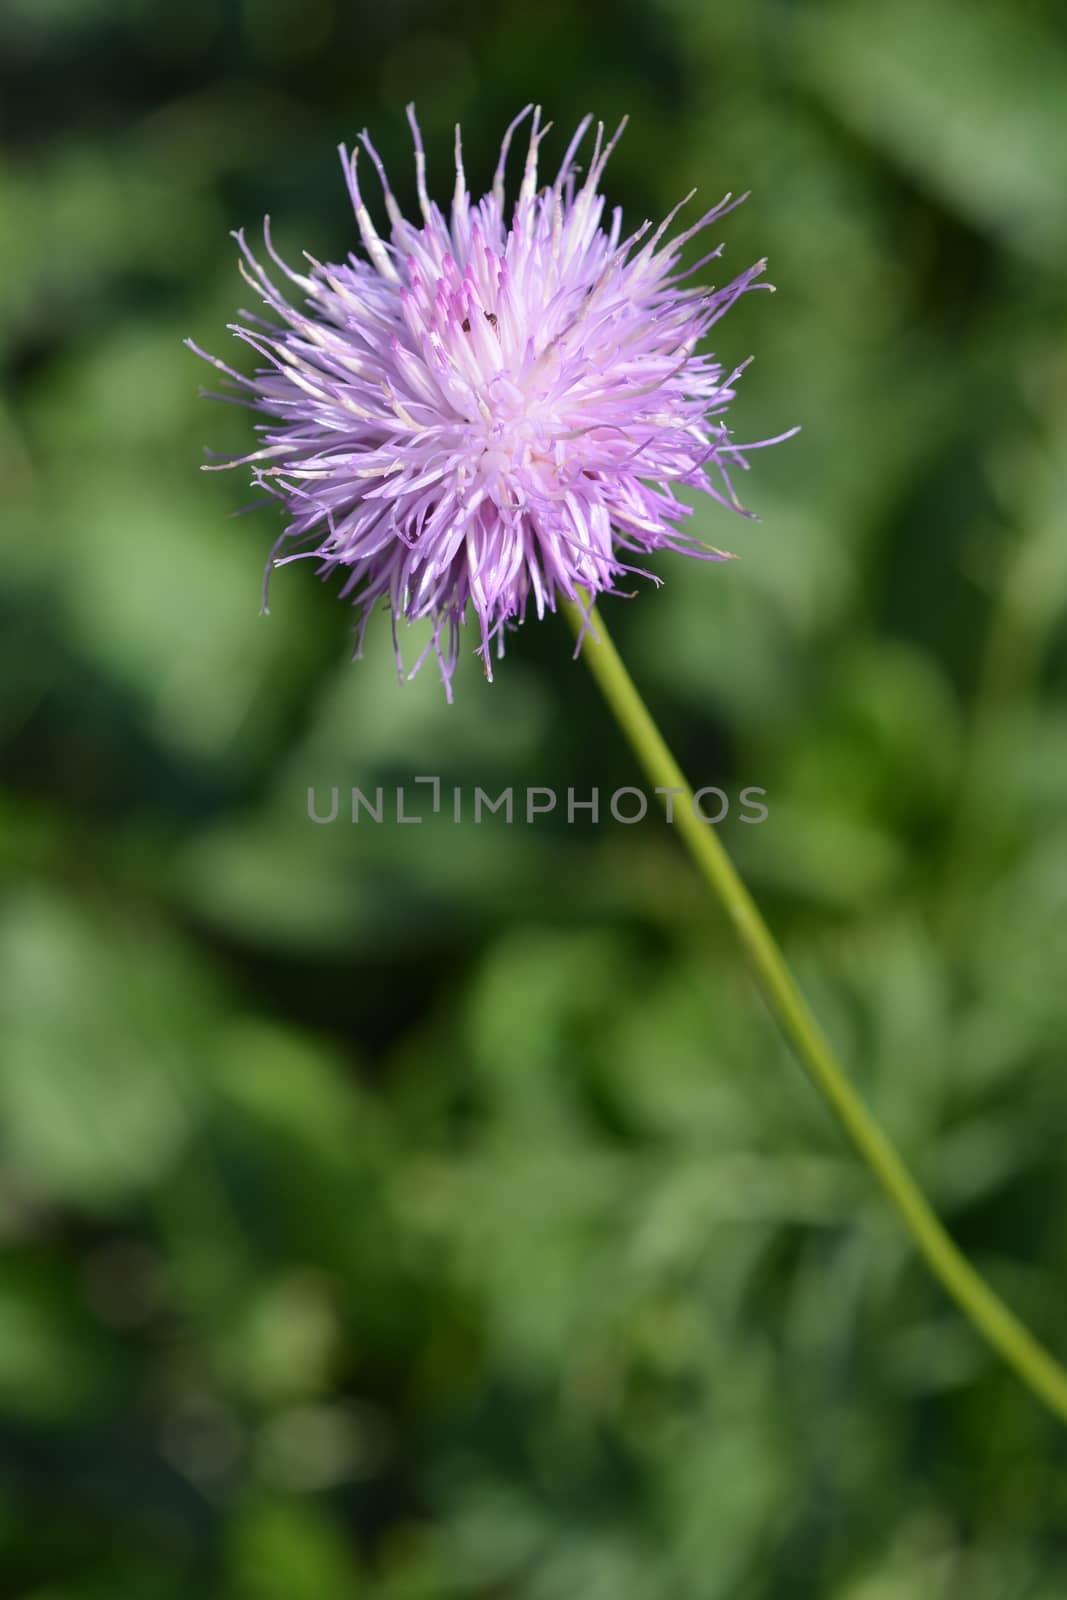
{"points": [[432, 1213]]}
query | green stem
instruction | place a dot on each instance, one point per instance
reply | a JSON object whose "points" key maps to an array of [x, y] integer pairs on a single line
{"points": [[1037, 1368]]}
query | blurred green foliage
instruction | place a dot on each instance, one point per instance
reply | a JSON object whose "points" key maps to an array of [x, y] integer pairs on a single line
{"points": [[432, 1212]]}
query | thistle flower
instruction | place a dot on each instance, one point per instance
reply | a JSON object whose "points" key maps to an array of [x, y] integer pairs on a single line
{"points": [[484, 410]]}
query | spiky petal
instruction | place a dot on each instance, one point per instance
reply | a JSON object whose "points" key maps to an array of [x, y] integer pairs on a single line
{"points": [[486, 410]]}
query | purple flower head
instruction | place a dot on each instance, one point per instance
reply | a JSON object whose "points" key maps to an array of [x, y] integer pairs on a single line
{"points": [[489, 408]]}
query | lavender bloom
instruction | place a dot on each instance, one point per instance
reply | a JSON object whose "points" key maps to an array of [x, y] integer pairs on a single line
{"points": [[482, 412]]}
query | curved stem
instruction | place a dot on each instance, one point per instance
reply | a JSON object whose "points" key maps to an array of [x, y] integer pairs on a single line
{"points": [[1037, 1368]]}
